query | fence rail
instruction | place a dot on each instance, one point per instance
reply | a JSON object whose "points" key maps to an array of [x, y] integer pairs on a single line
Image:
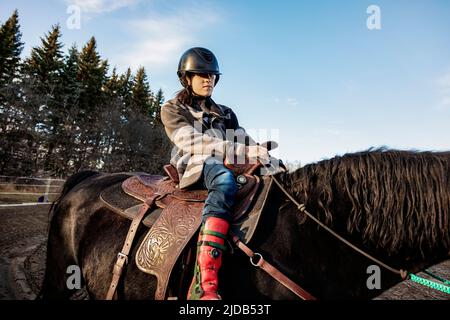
{"points": [[34, 193], [30, 185], [12, 205], [32, 178], [23, 190]]}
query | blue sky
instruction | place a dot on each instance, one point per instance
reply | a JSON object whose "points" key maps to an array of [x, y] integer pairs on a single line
{"points": [[310, 73]]}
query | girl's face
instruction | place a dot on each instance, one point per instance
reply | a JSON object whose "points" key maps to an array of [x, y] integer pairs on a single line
{"points": [[202, 83]]}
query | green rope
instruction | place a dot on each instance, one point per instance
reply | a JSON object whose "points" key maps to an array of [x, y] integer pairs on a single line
{"points": [[437, 277], [431, 284]]}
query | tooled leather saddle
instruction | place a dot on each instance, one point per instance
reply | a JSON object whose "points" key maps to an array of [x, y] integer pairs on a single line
{"points": [[173, 217]]}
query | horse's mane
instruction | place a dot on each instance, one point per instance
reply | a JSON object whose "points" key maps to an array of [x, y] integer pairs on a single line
{"points": [[395, 199]]}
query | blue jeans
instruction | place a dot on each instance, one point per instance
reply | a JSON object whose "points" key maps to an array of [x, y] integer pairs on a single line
{"points": [[222, 189]]}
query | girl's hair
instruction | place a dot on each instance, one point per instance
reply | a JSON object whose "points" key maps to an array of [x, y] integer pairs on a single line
{"points": [[185, 96]]}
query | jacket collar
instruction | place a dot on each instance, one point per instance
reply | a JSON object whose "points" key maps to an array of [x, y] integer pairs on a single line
{"points": [[199, 112]]}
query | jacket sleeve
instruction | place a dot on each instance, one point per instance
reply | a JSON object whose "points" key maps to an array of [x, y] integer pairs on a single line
{"points": [[189, 138]]}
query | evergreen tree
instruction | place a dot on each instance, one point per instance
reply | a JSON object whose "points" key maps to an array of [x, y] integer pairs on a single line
{"points": [[70, 133], [92, 76], [10, 48], [20, 142], [112, 117], [125, 92], [112, 85], [69, 77], [46, 62], [141, 95], [46, 65], [156, 107], [117, 114], [64, 113]]}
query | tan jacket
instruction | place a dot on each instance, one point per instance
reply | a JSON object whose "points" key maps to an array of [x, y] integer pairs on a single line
{"points": [[198, 133]]}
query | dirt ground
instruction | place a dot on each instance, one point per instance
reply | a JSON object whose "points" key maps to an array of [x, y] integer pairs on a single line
{"points": [[23, 232], [22, 244]]}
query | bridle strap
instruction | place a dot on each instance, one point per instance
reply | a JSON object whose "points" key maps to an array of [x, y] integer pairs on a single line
{"points": [[272, 271], [302, 208]]}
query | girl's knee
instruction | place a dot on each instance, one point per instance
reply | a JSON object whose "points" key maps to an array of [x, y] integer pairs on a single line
{"points": [[226, 181]]}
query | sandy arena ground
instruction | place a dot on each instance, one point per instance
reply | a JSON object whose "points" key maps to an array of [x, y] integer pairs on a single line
{"points": [[23, 232]]}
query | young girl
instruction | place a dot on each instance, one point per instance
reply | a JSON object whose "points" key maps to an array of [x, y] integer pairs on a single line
{"points": [[200, 131]]}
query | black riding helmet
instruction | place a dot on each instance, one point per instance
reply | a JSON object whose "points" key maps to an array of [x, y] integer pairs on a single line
{"points": [[197, 60]]}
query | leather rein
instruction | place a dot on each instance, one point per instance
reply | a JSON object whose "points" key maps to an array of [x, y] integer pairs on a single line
{"points": [[284, 280]]}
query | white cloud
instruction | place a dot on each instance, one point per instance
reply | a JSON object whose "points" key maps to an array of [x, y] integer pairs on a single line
{"points": [[334, 132], [443, 84], [290, 102], [159, 39], [444, 103], [98, 6]]}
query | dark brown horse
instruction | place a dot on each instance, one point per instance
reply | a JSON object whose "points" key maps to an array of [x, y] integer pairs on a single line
{"points": [[392, 204]]}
